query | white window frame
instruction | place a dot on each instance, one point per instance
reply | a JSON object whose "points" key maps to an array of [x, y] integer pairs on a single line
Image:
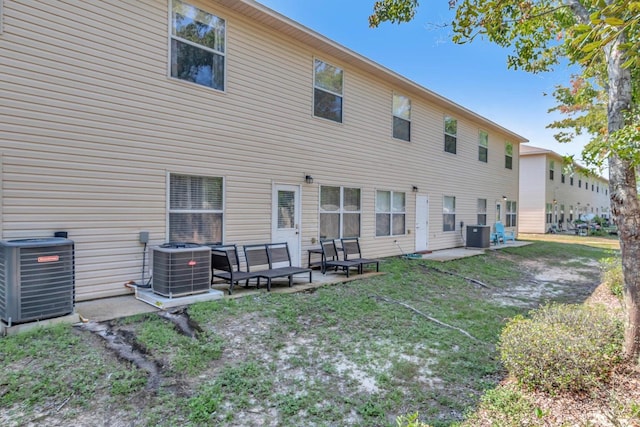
{"points": [[445, 212], [451, 135], [482, 211], [508, 155], [196, 45], [341, 211], [511, 210], [327, 90], [171, 210], [392, 212], [401, 113], [483, 145]]}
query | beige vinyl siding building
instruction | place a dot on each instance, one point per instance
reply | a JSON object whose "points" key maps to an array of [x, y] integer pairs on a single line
{"points": [[98, 139], [551, 194]]}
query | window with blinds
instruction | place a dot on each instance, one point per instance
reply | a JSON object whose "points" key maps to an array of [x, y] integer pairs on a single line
{"points": [[286, 209], [339, 212], [390, 213], [195, 209]]}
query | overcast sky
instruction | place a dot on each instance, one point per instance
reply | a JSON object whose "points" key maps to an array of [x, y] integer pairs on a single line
{"points": [[473, 75]]}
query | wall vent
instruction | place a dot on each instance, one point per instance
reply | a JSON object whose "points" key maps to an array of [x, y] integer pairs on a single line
{"points": [[37, 279], [181, 269]]}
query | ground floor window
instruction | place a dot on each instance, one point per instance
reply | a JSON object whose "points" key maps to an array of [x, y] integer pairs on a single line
{"points": [[482, 211], [449, 213], [339, 212], [195, 208], [511, 213], [390, 213], [549, 213]]}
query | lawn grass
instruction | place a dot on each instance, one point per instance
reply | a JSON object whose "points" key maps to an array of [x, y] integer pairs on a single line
{"points": [[340, 355]]}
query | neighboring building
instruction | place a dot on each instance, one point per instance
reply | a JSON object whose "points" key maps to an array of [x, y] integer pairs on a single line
{"points": [[552, 194], [206, 121]]}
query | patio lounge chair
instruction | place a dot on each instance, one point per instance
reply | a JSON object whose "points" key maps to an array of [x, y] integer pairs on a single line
{"points": [[225, 265], [330, 258], [261, 260], [352, 252], [504, 235]]}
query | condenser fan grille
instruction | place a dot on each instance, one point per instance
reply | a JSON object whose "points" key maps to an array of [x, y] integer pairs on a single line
{"points": [[37, 279], [181, 269]]}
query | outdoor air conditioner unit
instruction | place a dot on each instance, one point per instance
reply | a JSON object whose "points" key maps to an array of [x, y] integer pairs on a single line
{"points": [[37, 279], [181, 269]]}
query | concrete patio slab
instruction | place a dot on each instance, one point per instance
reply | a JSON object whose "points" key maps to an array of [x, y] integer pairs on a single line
{"points": [[105, 309], [458, 253]]}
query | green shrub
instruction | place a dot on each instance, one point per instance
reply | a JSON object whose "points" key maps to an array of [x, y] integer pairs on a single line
{"points": [[612, 275], [562, 347], [410, 420], [506, 405]]}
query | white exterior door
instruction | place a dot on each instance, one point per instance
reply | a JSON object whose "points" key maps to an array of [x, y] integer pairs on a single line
{"points": [[422, 223], [286, 218]]}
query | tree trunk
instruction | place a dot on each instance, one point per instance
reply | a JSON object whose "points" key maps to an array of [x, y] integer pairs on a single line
{"points": [[625, 207]]}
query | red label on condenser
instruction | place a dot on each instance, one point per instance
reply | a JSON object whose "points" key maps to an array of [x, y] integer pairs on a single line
{"points": [[50, 258], [191, 263]]}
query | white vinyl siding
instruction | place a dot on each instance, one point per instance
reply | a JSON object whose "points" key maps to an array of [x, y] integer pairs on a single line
{"points": [[96, 125]]}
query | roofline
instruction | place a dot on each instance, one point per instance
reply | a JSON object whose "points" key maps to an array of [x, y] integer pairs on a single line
{"points": [[283, 24], [536, 151]]}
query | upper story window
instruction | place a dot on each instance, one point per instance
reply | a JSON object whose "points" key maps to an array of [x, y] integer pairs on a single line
{"points": [[390, 213], [552, 166], [195, 209], [450, 134], [483, 146], [197, 46], [327, 91], [508, 155], [579, 183], [401, 117], [339, 212], [571, 180], [562, 178]]}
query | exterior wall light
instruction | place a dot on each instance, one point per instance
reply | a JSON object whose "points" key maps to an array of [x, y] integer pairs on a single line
{"points": [[308, 179]]}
